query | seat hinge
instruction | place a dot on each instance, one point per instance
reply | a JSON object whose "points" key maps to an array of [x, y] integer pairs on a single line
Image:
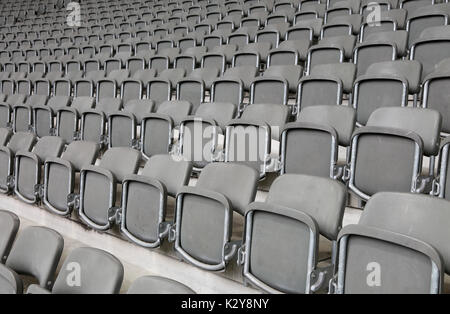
{"points": [[342, 172], [435, 187], [115, 215], [52, 131], [10, 182], [332, 286], [104, 140], [172, 233], [164, 229], [76, 135], [339, 172], [136, 144], [39, 191], [241, 255], [230, 249], [73, 201], [320, 278], [423, 184]]}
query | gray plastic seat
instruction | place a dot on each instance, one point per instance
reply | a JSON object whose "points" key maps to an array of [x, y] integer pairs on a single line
{"points": [[387, 154], [431, 48], [260, 48], [176, 109], [98, 185], [346, 72], [395, 230], [409, 69], [248, 139], [20, 141], [144, 75], [28, 167], [172, 75], [157, 128], [376, 91], [5, 135], [207, 75], [139, 108], [310, 145], [436, 92], [93, 122], [269, 90], [440, 183], [131, 89], [158, 285], [191, 90], [379, 47], [281, 240], [36, 252], [227, 90], [9, 225], [316, 90], [142, 217], [159, 91], [428, 16], [199, 134], [342, 25], [290, 73], [100, 273], [208, 245], [44, 116], [59, 175], [67, 118], [23, 113], [330, 50], [284, 51], [119, 76], [105, 88], [246, 74]]}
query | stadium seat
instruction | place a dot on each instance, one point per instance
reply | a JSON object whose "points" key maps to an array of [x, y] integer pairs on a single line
{"points": [[209, 246], [59, 176], [296, 219], [100, 273], [36, 253]]}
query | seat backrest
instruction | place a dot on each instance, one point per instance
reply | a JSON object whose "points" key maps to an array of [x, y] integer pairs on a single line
{"points": [[268, 90], [121, 161], [9, 224], [21, 141], [36, 252], [176, 109], [374, 91], [341, 118], [227, 90], [100, 273], [274, 115], [171, 172], [419, 216], [237, 182], [5, 135], [57, 102], [83, 103], [48, 146], [424, 122], [109, 105], [81, 153], [221, 112], [321, 198]]}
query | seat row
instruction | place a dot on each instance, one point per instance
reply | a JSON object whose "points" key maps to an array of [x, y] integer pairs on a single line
{"points": [[36, 252]]}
